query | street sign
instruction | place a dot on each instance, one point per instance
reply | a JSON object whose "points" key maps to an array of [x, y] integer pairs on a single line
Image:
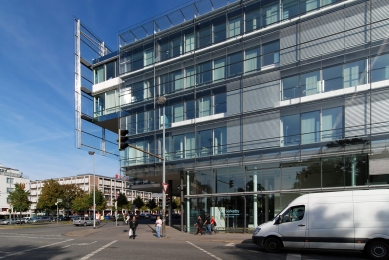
{"points": [[165, 186], [59, 200]]}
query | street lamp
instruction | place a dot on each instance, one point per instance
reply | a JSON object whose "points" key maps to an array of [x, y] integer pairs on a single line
{"points": [[94, 187], [161, 100]]}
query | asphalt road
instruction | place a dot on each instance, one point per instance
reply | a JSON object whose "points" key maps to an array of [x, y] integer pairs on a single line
{"points": [[108, 241]]}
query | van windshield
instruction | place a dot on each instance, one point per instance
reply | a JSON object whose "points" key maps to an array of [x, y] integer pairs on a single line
{"points": [[279, 213]]}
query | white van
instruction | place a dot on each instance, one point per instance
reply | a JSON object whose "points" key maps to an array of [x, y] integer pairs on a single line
{"points": [[355, 220]]}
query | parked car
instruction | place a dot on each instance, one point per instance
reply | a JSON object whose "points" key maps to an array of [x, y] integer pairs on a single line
{"points": [[85, 221], [25, 220], [64, 218], [7, 222], [142, 215], [35, 220], [176, 215], [154, 217], [46, 218]]}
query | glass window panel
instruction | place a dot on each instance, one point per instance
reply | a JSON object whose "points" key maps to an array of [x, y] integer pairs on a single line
{"points": [[111, 70], [137, 60], [252, 60], [270, 14], [141, 120], [309, 5], [190, 151], [310, 83], [219, 30], [166, 84], [332, 124], [310, 127], [328, 2], [220, 103], [253, 20], [178, 112], [353, 74], [189, 42], [149, 56], [290, 8], [178, 146], [234, 26], [332, 78], [219, 69], [99, 74], [203, 107], [150, 120], [333, 172], [235, 64], [149, 88], [164, 51], [270, 53], [189, 110], [220, 140], [133, 125], [111, 102], [176, 47], [189, 77], [310, 175], [137, 92], [177, 80], [270, 179], [290, 130], [380, 68], [290, 87], [204, 37], [356, 170], [290, 179], [204, 143], [204, 72]]}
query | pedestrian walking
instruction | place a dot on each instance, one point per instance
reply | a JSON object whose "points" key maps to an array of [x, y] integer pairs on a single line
{"points": [[158, 226], [213, 224], [199, 225], [207, 222], [133, 226]]}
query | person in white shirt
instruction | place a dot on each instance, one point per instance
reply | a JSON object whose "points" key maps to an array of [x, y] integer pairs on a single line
{"points": [[158, 225]]}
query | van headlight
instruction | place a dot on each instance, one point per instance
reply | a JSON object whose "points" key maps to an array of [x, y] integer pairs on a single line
{"points": [[256, 231]]}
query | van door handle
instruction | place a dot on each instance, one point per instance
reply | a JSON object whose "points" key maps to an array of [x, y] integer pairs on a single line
{"points": [[301, 225]]}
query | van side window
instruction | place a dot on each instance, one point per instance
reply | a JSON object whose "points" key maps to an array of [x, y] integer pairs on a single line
{"points": [[292, 214]]}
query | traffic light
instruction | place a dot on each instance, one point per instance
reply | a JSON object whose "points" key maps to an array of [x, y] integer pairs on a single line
{"points": [[122, 139], [231, 183], [167, 201]]}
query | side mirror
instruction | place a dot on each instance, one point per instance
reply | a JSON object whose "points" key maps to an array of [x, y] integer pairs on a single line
{"points": [[278, 220]]}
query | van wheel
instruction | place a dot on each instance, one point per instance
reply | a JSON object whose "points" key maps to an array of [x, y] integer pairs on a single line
{"points": [[377, 250], [85, 224], [272, 245]]}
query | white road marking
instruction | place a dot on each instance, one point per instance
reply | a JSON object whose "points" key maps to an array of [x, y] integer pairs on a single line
{"points": [[98, 250], [230, 244], [205, 251], [51, 238], [18, 253], [81, 244], [293, 257]]}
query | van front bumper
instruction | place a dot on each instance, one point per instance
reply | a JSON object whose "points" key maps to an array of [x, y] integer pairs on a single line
{"points": [[258, 240]]}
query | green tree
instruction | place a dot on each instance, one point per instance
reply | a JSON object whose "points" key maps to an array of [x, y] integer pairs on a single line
{"points": [[70, 193], [121, 201], [128, 207], [81, 203], [138, 202], [51, 191], [151, 204], [19, 199], [101, 202]]}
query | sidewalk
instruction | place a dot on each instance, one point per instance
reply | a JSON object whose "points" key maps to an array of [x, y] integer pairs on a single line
{"points": [[147, 231]]}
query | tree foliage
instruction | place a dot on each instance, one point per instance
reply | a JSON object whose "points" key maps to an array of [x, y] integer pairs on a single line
{"points": [[19, 199], [81, 203], [101, 202], [122, 201], [70, 193], [51, 191], [138, 202], [151, 204]]}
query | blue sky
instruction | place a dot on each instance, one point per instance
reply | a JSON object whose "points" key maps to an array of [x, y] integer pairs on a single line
{"points": [[37, 133]]}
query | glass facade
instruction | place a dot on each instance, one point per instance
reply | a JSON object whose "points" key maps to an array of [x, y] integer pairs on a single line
{"points": [[266, 115]]}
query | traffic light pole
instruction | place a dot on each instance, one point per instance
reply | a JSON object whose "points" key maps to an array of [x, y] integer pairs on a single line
{"points": [[163, 177]]}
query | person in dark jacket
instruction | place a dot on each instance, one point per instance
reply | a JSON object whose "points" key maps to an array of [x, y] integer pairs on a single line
{"points": [[133, 226], [199, 225]]}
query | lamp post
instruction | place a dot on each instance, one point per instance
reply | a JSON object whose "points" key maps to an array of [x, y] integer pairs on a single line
{"points": [[161, 100], [94, 187]]}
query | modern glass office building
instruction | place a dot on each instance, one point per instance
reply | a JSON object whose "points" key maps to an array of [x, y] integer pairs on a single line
{"points": [[265, 101]]}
